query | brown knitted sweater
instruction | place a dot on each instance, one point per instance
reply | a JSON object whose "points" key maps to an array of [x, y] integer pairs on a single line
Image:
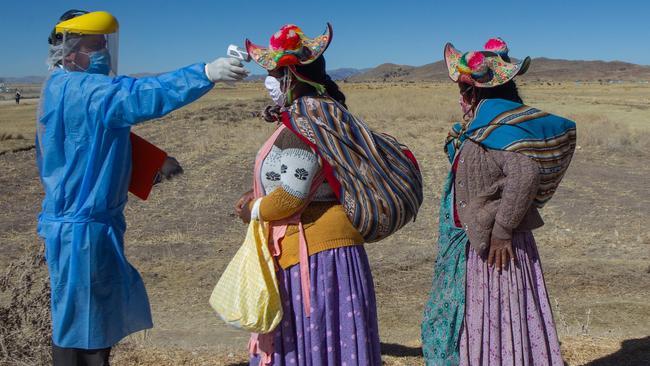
{"points": [[494, 191]]}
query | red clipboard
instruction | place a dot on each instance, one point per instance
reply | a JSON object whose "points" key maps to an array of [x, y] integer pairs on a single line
{"points": [[146, 161]]}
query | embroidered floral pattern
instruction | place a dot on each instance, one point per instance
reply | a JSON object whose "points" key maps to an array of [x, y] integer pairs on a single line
{"points": [[273, 176], [301, 174]]}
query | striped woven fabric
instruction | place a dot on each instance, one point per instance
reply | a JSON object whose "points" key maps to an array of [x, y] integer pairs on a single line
{"points": [[376, 179], [504, 125]]}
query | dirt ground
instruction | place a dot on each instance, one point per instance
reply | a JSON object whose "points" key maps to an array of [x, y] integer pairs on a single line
{"points": [[595, 246]]}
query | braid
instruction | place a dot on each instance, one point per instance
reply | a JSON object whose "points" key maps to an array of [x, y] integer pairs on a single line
{"points": [[334, 91], [316, 72], [507, 91]]}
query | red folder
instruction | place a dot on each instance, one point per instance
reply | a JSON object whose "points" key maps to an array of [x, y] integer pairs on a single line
{"points": [[146, 161]]}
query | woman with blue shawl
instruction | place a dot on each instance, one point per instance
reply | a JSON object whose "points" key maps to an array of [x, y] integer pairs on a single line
{"points": [[489, 304]]}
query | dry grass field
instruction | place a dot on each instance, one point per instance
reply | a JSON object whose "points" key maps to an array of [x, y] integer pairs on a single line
{"points": [[595, 246]]}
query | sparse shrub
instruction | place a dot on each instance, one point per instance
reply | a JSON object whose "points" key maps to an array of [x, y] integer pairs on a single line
{"points": [[11, 136], [599, 132]]}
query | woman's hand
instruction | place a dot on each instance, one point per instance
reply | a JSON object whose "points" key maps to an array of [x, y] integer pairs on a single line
{"points": [[171, 167], [241, 207], [500, 253], [271, 113]]}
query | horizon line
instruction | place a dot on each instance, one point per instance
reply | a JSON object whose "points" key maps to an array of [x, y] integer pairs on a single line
{"points": [[261, 72]]}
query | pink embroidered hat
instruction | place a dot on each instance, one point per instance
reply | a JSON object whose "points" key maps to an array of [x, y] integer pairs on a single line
{"points": [[289, 46], [484, 69]]}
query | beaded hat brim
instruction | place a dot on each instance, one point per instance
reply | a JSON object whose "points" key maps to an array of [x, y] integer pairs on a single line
{"points": [[499, 70], [307, 51]]}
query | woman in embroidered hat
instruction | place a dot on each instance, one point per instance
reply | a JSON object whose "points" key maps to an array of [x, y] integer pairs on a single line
{"points": [[329, 306], [489, 304]]}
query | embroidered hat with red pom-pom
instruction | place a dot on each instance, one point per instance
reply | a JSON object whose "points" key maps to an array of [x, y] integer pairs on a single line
{"points": [[484, 69], [289, 46]]}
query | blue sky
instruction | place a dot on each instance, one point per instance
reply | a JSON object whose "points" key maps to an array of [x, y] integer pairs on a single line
{"points": [[163, 35]]}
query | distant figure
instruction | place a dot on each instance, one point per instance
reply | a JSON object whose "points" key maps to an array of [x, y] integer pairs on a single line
{"points": [[18, 95], [489, 304]]}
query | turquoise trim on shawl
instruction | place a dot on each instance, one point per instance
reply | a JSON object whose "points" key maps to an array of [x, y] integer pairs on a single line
{"points": [[504, 125]]}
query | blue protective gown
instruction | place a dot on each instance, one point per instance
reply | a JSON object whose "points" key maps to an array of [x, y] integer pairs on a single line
{"points": [[83, 154]]}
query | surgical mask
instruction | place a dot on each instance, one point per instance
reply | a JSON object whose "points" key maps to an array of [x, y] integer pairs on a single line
{"points": [[275, 90], [100, 62]]}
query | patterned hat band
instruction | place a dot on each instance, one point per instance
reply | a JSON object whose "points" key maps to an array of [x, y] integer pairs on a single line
{"points": [[301, 54]]}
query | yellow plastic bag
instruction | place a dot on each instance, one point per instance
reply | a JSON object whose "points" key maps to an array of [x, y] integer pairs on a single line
{"points": [[247, 295]]}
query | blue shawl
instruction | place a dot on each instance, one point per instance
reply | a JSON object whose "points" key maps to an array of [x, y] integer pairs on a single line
{"points": [[509, 126]]}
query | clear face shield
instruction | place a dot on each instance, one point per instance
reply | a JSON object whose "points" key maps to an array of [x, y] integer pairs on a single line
{"points": [[91, 53]]}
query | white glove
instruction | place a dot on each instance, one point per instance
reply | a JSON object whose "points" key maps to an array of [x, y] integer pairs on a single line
{"points": [[225, 69]]}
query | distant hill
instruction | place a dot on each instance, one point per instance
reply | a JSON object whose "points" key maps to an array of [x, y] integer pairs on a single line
{"points": [[540, 69], [545, 68], [344, 73]]}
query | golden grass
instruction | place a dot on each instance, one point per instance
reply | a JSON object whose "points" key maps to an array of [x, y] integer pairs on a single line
{"points": [[612, 117], [594, 245], [576, 351], [17, 125]]}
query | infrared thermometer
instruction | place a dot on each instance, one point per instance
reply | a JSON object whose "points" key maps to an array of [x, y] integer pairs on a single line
{"points": [[238, 53]]}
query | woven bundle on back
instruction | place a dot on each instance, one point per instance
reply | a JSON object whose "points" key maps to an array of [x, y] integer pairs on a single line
{"points": [[375, 177]]}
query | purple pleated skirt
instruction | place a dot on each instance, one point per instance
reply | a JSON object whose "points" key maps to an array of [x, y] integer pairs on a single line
{"points": [[342, 329], [508, 317]]}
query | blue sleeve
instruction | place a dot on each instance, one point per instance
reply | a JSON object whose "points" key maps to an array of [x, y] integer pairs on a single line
{"points": [[126, 101]]}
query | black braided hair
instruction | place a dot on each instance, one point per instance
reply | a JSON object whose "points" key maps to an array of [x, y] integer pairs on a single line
{"points": [[475, 95], [316, 72]]}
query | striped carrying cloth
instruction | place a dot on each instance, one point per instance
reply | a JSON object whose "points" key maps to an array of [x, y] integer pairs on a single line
{"points": [[375, 178], [504, 125]]}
